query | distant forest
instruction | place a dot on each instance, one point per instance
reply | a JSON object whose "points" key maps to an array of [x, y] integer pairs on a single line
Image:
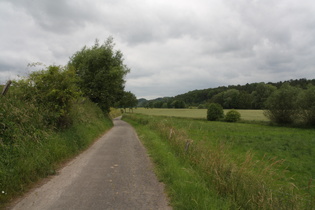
{"points": [[249, 96]]}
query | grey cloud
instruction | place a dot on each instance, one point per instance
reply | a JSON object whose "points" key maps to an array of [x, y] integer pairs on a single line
{"points": [[149, 23], [56, 16], [170, 46]]}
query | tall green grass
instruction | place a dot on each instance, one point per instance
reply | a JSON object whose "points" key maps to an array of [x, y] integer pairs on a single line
{"points": [[253, 166], [29, 150], [186, 188]]}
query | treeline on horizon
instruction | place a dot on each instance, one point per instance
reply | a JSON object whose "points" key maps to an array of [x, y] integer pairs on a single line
{"points": [[248, 96]]}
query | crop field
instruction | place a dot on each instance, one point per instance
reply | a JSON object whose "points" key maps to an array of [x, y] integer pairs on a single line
{"points": [[250, 115], [246, 165]]}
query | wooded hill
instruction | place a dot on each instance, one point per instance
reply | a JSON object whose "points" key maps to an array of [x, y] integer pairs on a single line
{"points": [[248, 96]]}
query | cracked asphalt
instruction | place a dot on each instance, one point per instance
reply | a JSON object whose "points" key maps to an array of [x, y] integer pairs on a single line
{"points": [[114, 173]]}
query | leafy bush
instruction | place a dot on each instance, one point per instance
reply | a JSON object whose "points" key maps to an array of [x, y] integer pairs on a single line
{"points": [[215, 112], [20, 121], [232, 116], [52, 90], [282, 105]]}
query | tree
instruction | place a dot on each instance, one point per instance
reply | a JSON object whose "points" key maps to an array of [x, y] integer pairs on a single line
{"points": [[158, 104], [260, 95], [101, 71], [306, 103], [177, 104], [128, 100], [164, 106], [282, 105], [244, 100], [231, 99], [218, 98], [201, 106], [215, 112]]}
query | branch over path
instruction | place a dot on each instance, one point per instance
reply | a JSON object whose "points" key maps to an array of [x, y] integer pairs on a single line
{"points": [[114, 173]]}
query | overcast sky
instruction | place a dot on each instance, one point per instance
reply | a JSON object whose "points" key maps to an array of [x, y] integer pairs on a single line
{"points": [[171, 46]]}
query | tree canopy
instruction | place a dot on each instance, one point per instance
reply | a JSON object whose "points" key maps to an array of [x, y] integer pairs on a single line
{"points": [[101, 71], [128, 100], [248, 96]]}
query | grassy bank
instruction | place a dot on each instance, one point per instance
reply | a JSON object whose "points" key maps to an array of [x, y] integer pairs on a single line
{"points": [[250, 166], [184, 185], [249, 115], [30, 151]]}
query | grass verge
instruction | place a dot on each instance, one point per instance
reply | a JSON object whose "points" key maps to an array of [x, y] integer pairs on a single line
{"points": [[185, 187]]}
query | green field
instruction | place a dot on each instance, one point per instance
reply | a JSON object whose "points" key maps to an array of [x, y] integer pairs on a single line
{"points": [[251, 115], [248, 166]]}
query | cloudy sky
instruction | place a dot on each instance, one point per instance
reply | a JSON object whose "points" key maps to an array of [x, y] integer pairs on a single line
{"points": [[171, 46]]}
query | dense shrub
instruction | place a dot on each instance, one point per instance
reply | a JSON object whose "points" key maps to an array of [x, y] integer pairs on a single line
{"points": [[20, 121], [232, 116], [282, 105], [51, 90], [215, 112]]}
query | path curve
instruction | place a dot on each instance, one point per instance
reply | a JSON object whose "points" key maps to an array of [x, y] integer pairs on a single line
{"points": [[114, 173]]}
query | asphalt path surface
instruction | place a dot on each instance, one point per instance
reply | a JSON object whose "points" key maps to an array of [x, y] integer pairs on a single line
{"points": [[114, 173]]}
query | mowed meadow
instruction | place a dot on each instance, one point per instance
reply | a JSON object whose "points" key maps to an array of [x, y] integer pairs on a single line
{"points": [[249, 115], [219, 165]]}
